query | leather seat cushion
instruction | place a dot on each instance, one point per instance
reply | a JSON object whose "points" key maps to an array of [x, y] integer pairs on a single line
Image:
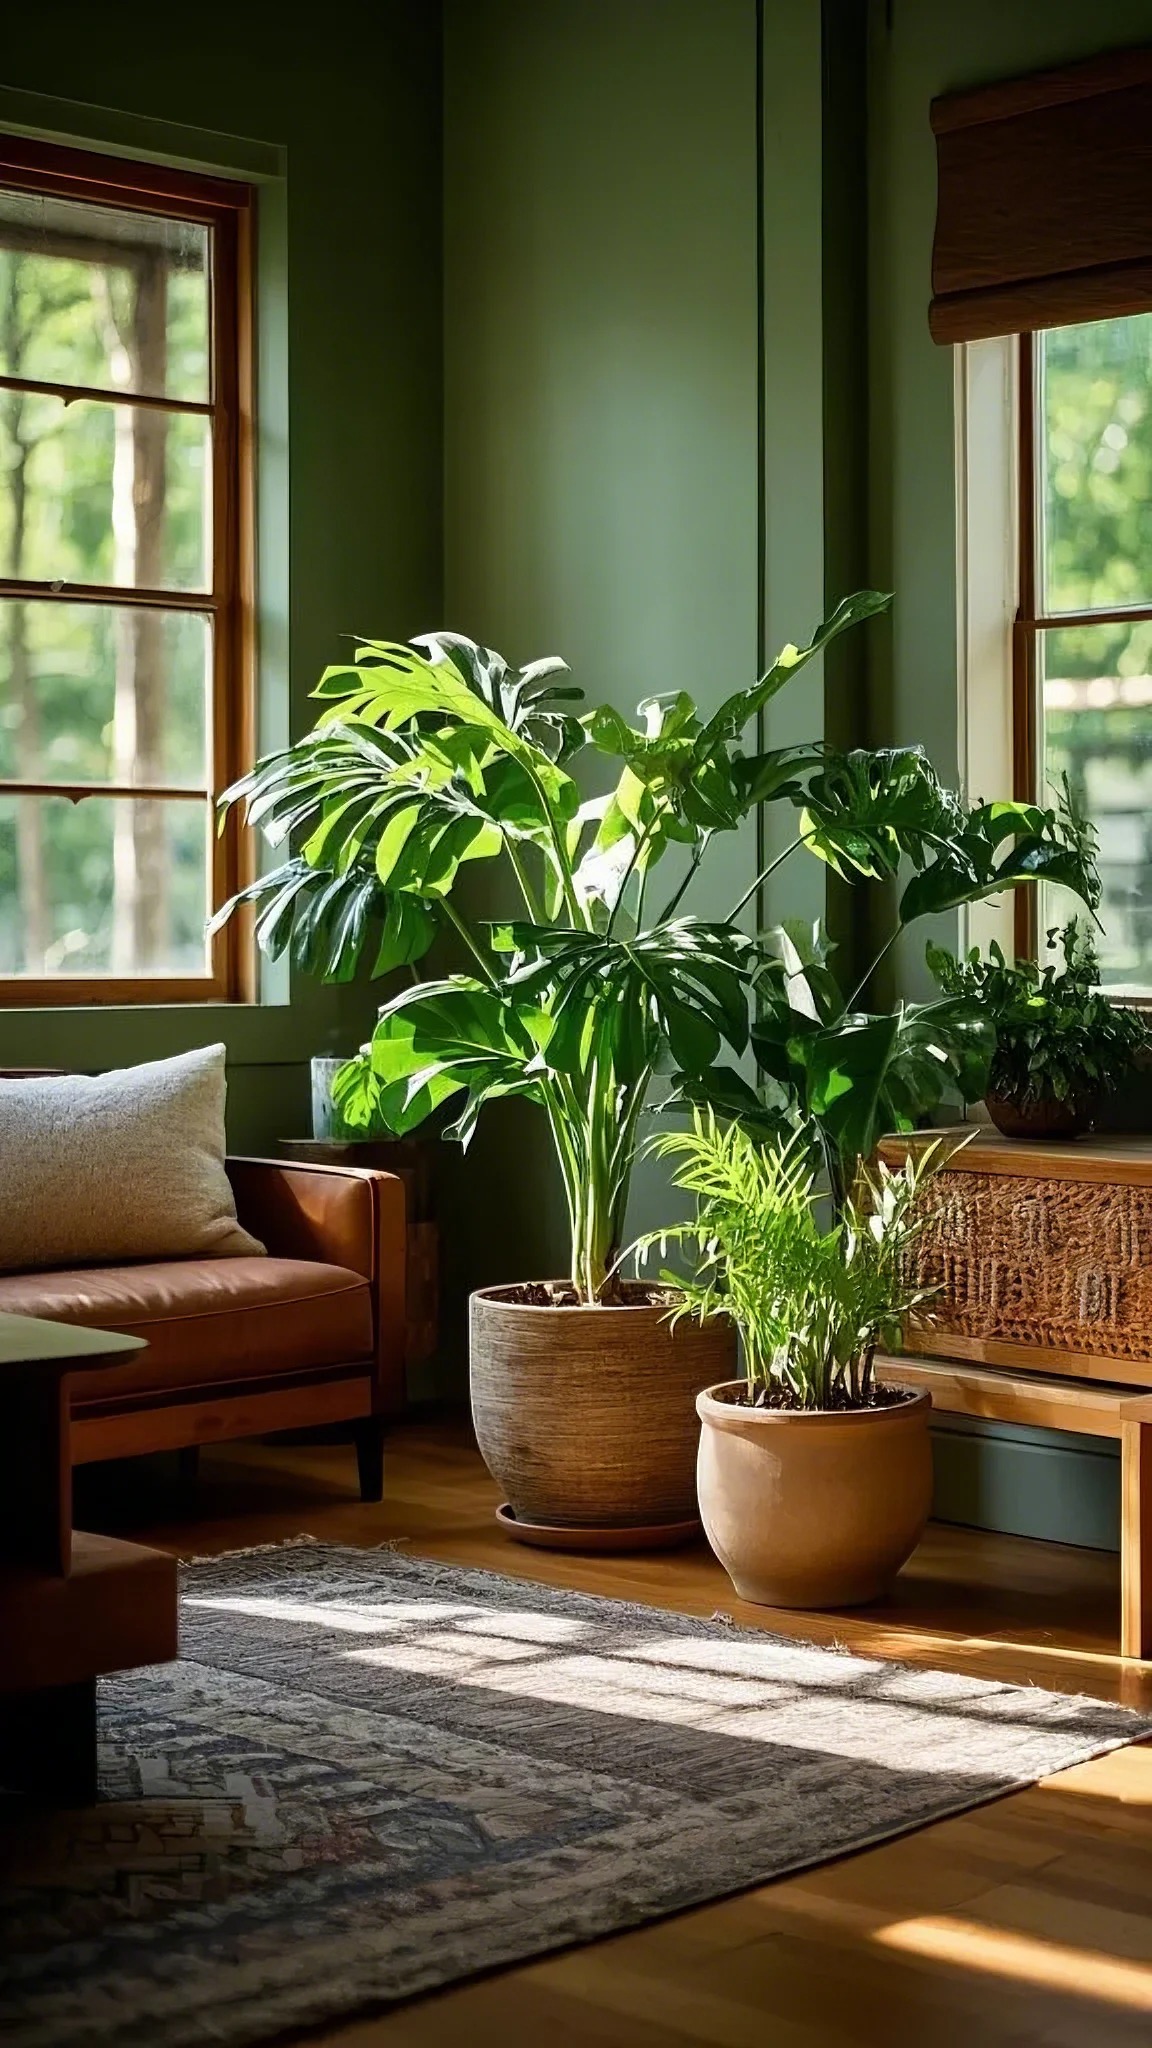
{"points": [[206, 1320]]}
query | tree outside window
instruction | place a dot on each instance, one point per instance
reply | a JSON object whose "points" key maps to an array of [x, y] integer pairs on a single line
{"points": [[1084, 639], [123, 680]]}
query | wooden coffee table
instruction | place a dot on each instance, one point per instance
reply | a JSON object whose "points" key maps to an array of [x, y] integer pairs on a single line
{"points": [[72, 1606]]}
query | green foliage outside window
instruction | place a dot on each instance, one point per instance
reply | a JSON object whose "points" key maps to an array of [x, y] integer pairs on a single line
{"points": [[1095, 555], [58, 660]]}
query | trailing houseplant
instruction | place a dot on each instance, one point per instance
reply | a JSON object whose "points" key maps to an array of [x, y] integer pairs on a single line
{"points": [[1062, 1045], [814, 1478], [605, 998]]}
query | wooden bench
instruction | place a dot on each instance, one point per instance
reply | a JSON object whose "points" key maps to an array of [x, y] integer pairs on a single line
{"points": [[1091, 1409], [1040, 1253]]}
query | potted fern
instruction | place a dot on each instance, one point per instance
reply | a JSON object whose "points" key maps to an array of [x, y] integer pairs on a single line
{"points": [[815, 1479], [604, 998]]}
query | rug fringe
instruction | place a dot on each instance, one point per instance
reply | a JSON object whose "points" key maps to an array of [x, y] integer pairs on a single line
{"points": [[301, 1542]]}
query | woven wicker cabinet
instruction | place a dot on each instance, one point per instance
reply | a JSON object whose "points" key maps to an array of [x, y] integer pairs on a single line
{"points": [[1042, 1255], [1039, 1248]]}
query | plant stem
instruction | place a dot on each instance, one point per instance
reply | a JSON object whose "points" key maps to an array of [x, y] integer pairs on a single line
{"points": [[526, 889], [870, 971], [570, 1170], [837, 1178], [625, 879], [624, 1146], [579, 916], [455, 918], [638, 847], [640, 895], [673, 902], [762, 877]]}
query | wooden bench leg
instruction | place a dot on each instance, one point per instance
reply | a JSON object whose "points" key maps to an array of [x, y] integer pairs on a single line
{"points": [[1136, 1539]]}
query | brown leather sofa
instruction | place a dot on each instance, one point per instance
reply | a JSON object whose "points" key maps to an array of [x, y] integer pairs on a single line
{"points": [[314, 1333]]}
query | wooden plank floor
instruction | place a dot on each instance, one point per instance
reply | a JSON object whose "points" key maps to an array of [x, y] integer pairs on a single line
{"points": [[1027, 1922]]}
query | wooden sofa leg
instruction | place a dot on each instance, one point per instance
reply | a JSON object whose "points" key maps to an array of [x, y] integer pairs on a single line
{"points": [[370, 1457], [1136, 1539]]}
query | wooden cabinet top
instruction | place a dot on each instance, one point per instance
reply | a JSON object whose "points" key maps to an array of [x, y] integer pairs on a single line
{"points": [[1116, 1159]]}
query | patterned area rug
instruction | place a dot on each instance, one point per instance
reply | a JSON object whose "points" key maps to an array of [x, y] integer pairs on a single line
{"points": [[372, 1774]]}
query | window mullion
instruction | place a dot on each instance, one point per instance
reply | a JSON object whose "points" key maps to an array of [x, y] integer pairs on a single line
{"points": [[39, 387], [36, 591], [1025, 719]]}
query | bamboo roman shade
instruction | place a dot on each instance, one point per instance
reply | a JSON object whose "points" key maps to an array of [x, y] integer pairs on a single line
{"points": [[1044, 207]]}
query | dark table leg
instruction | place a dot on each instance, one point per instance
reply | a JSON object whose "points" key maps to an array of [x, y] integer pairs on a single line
{"points": [[35, 1470], [48, 1743]]}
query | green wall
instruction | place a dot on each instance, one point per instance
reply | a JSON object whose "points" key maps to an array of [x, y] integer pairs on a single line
{"points": [[633, 401], [1031, 1482], [342, 133], [601, 399]]}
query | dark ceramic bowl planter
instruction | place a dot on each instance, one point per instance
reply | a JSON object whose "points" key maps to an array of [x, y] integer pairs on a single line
{"points": [[1044, 1117], [586, 1417]]}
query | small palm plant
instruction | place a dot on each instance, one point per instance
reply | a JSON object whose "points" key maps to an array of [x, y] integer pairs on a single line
{"points": [[813, 1300], [814, 1478]]}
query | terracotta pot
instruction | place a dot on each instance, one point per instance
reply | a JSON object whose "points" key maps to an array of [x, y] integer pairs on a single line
{"points": [[585, 1416], [812, 1509], [1044, 1119]]}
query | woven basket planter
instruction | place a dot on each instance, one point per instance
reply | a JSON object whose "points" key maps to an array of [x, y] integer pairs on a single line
{"points": [[586, 1417]]}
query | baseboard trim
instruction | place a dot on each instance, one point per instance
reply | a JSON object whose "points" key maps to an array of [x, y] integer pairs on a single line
{"points": [[1058, 1488]]}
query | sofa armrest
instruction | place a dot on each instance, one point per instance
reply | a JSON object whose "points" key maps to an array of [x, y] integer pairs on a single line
{"points": [[352, 1216]]}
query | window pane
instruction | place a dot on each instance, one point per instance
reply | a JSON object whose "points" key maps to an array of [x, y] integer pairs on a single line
{"points": [[104, 693], [1097, 715], [94, 493], [1095, 435], [111, 885], [93, 295]]}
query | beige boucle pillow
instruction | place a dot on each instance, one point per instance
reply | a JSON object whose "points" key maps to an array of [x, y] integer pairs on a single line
{"points": [[127, 1165]]}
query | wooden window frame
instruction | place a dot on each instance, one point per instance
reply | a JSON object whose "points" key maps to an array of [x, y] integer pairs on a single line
{"points": [[1032, 620], [227, 209]]}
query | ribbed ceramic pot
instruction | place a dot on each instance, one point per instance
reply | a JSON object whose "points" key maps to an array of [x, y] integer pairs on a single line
{"points": [[586, 1416], [815, 1509]]}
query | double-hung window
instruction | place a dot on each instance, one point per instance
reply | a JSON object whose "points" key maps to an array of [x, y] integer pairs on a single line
{"points": [[125, 575], [1082, 658], [1042, 279]]}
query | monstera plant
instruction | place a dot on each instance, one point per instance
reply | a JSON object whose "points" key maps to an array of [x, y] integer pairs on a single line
{"points": [[607, 995]]}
